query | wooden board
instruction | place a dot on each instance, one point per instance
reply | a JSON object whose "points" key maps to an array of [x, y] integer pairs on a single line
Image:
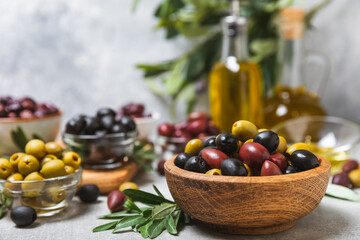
{"points": [[109, 180]]}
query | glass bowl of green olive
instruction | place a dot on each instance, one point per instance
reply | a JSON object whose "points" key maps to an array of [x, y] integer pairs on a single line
{"points": [[47, 196], [43, 177]]}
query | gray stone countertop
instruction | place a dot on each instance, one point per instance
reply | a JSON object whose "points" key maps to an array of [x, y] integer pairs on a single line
{"points": [[333, 219]]}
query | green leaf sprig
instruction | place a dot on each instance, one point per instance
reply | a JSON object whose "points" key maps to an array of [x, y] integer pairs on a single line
{"points": [[143, 155], [150, 221], [5, 203], [20, 139], [337, 191]]}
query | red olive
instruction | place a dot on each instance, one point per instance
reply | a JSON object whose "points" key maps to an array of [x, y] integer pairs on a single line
{"points": [[213, 157], [166, 129], [203, 135], [198, 115], [196, 127], [269, 169], [279, 160], [116, 200], [211, 129], [342, 179], [253, 154], [350, 165], [180, 125]]}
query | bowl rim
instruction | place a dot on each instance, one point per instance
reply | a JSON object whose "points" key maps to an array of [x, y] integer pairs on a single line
{"points": [[174, 170], [75, 174], [20, 120], [330, 119], [133, 134], [155, 116]]}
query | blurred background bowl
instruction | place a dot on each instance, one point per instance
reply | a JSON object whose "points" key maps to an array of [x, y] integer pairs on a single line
{"points": [[48, 197], [107, 151], [147, 125], [46, 127], [333, 138]]}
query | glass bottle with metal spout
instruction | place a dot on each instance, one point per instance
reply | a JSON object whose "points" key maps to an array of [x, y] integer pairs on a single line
{"points": [[295, 94], [236, 85]]}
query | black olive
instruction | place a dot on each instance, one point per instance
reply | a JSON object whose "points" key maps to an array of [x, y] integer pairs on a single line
{"points": [[105, 112], [289, 169], [128, 123], [76, 125], [210, 141], [303, 160], [196, 164], [89, 193], [23, 216], [118, 128], [269, 139], [107, 122], [227, 143], [92, 124], [233, 167], [181, 159]]}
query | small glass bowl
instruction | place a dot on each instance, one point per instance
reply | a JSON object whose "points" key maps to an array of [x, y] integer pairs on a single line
{"points": [[333, 138], [167, 147], [48, 197], [106, 151]]}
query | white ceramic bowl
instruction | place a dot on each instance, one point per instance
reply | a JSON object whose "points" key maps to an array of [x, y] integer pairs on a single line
{"points": [[46, 127], [147, 125]]}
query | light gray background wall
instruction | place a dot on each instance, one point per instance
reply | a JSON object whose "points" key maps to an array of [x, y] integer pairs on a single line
{"points": [[81, 54]]}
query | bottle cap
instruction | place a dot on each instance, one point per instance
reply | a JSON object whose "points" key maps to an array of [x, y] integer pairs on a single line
{"points": [[234, 25], [292, 23]]}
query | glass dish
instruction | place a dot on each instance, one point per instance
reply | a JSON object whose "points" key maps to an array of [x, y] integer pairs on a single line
{"points": [[333, 138], [102, 151], [167, 147], [48, 197]]}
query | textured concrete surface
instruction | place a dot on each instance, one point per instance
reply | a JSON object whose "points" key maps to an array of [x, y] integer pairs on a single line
{"points": [[333, 219], [82, 54]]}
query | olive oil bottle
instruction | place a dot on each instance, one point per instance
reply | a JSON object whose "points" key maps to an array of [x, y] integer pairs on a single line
{"points": [[236, 84], [293, 94]]}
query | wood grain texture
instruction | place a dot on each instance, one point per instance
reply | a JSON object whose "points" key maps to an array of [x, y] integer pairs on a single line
{"points": [[109, 180], [248, 205]]}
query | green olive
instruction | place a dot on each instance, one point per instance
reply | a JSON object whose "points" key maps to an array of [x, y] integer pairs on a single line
{"points": [[297, 146], [282, 145], [354, 176], [249, 140], [14, 177], [214, 171], [69, 169], [36, 148], [72, 159], [54, 149], [14, 160], [194, 146], [54, 168], [55, 195], [28, 164], [33, 189], [128, 185], [248, 169], [244, 130], [6, 169], [48, 158]]}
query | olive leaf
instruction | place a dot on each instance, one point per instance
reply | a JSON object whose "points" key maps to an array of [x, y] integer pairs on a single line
{"points": [[104, 227], [157, 228], [148, 221], [19, 138], [132, 206], [129, 221], [158, 192], [163, 210], [144, 197], [170, 225], [337, 191]]}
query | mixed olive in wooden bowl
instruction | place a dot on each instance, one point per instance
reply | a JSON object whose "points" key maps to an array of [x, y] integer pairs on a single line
{"points": [[254, 183]]}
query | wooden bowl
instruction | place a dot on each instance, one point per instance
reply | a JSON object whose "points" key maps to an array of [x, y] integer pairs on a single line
{"points": [[248, 205]]}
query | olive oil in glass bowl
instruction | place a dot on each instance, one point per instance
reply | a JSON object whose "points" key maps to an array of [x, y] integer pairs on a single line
{"points": [[333, 138]]}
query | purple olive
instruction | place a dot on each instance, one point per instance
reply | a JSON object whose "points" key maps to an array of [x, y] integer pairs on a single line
{"points": [[253, 154], [350, 165], [342, 179]]}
